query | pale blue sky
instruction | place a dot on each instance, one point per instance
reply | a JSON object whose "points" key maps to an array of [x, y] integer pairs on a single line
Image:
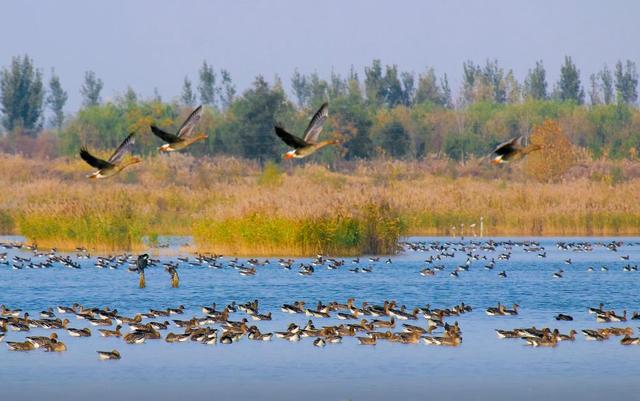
{"points": [[154, 43]]}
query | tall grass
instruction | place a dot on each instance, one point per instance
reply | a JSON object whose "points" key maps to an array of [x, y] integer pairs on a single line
{"points": [[235, 207]]}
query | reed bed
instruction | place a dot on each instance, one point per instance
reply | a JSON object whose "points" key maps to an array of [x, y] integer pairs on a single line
{"points": [[236, 207]]}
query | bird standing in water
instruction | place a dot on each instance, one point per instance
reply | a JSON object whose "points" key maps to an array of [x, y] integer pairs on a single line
{"points": [[512, 150], [175, 280], [141, 264]]}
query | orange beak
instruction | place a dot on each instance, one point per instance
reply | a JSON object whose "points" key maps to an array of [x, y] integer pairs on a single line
{"points": [[287, 156], [496, 161]]}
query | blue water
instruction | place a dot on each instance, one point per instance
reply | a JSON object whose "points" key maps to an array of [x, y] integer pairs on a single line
{"points": [[482, 368]]}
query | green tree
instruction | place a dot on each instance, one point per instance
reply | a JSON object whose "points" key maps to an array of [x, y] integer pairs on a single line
{"points": [[373, 85], [595, 89], [300, 88], [188, 97], [470, 72], [513, 90], [408, 87], [228, 91], [91, 89], [607, 85], [337, 86], [446, 92], [354, 122], [493, 77], [56, 100], [626, 82], [569, 87], [21, 95], [255, 111], [428, 89], [318, 90], [207, 87], [391, 87], [535, 84], [394, 139]]}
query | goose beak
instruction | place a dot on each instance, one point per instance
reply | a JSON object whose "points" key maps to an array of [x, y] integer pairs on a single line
{"points": [[496, 161], [288, 156]]}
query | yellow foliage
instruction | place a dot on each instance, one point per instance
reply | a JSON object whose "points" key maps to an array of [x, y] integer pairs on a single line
{"points": [[556, 156]]}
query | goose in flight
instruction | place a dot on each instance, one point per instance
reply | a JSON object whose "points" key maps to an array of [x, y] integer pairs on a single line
{"points": [[115, 164], [184, 137], [303, 147], [512, 150]]}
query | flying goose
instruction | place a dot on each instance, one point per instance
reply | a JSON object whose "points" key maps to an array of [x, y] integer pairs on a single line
{"points": [[183, 137], [303, 147], [512, 150], [115, 164]]}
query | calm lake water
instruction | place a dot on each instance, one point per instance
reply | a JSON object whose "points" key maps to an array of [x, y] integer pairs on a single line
{"points": [[482, 368]]}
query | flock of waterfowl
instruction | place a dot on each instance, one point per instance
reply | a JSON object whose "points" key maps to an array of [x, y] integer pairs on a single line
{"points": [[367, 323], [434, 265], [511, 150]]}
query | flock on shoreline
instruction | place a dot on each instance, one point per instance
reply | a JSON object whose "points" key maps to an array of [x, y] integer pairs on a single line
{"points": [[301, 146]]}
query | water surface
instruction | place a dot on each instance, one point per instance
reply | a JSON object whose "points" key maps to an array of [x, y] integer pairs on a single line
{"points": [[482, 368]]}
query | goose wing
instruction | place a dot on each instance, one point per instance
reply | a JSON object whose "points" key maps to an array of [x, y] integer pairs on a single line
{"points": [[187, 126], [164, 135], [124, 147], [315, 125], [509, 146], [94, 161], [290, 139]]}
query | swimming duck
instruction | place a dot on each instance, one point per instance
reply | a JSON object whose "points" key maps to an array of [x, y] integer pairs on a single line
{"points": [[41, 341], [308, 145], [566, 337], [21, 346], [546, 341], [512, 150], [367, 340], [48, 313], [183, 138], [628, 340], [174, 338], [595, 335], [563, 317], [319, 342], [115, 164], [111, 333], [86, 332], [108, 355], [136, 337], [507, 333], [55, 346]]}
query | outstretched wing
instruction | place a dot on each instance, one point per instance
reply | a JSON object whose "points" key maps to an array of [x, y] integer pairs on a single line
{"points": [[124, 147], [164, 135], [315, 125], [508, 146], [93, 161], [187, 126], [290, 139]]}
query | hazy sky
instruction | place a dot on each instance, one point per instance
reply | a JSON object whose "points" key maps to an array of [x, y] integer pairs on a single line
{"points": [[154, 43]]}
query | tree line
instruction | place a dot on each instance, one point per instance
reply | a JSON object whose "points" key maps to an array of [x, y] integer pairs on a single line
{"points": [[383, 112]]}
